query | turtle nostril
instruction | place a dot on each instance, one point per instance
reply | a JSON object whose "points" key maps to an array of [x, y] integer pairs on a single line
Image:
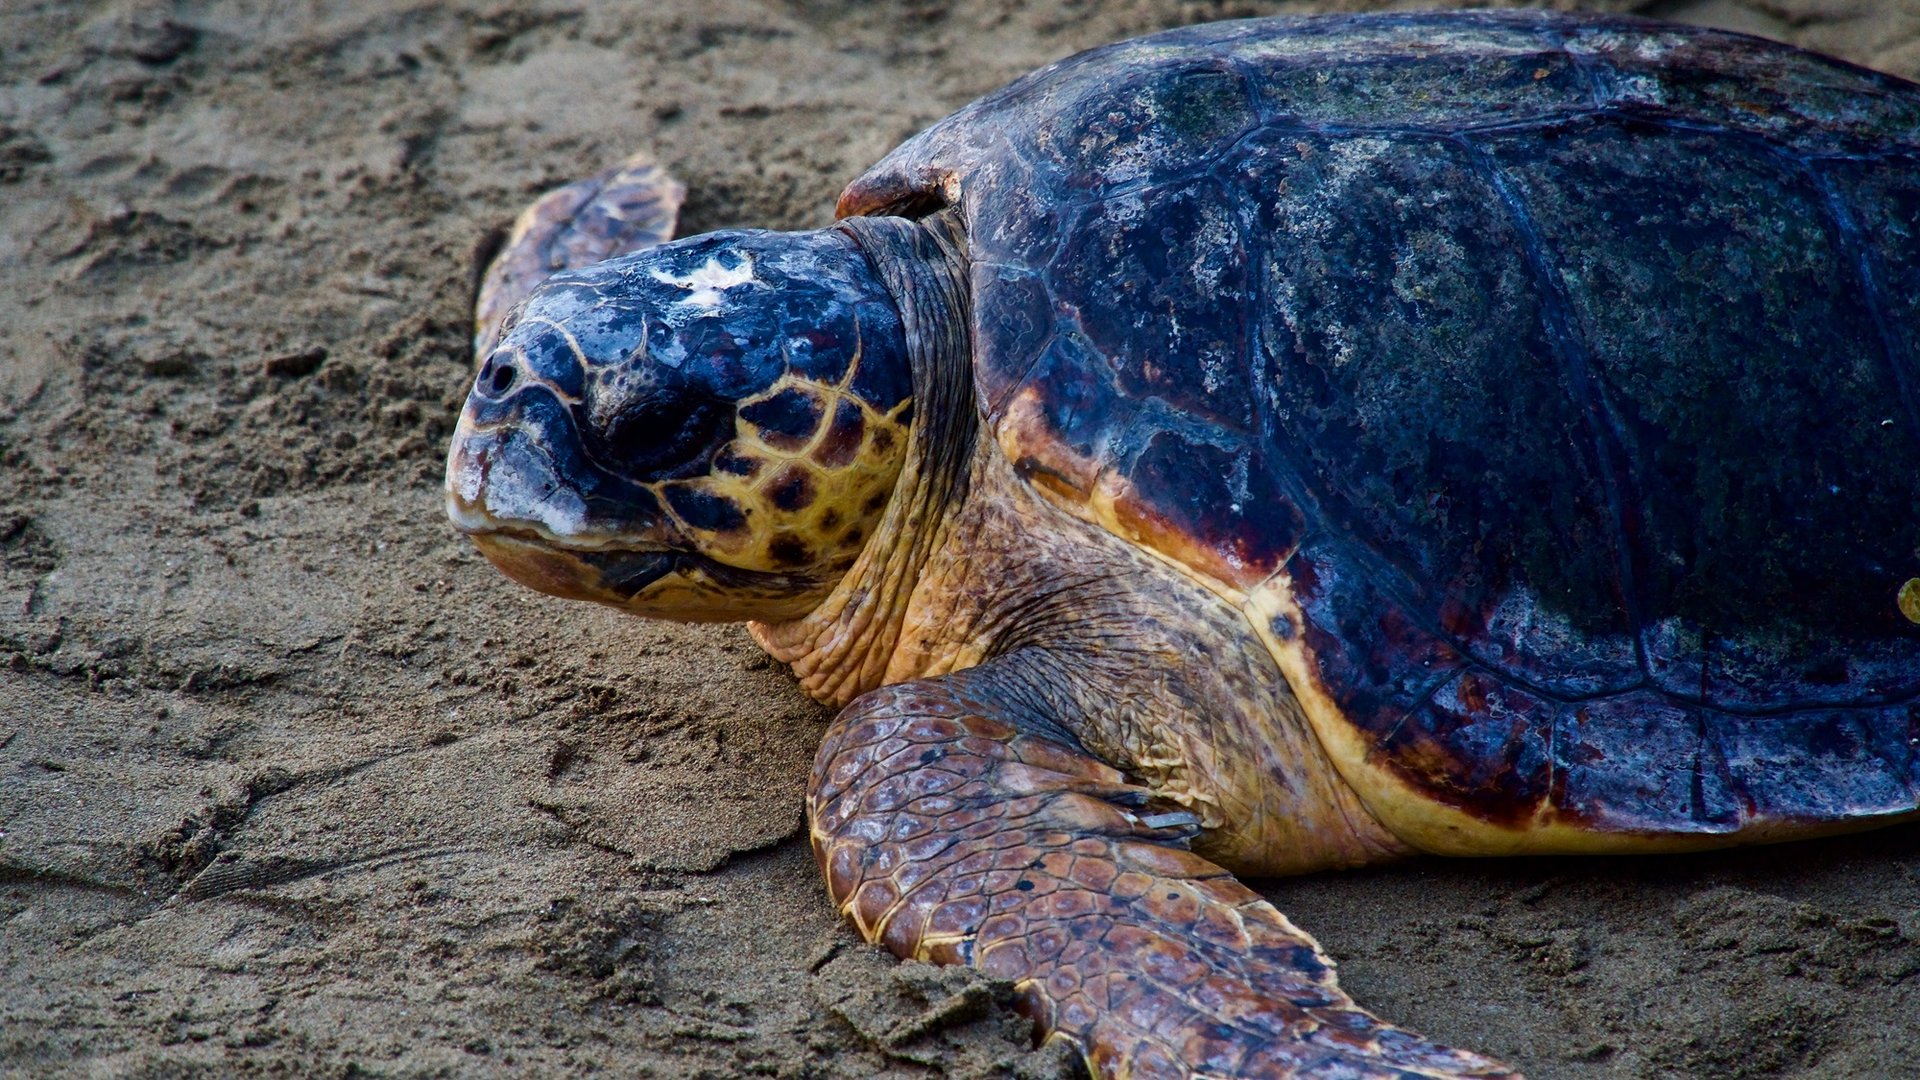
{"points": [[498, 377]]}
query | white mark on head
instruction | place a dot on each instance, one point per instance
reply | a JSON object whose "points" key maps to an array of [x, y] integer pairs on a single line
{"points": [[706, 283]]}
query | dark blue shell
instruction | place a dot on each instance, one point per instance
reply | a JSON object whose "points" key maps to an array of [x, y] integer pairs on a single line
{"points": [[1569, 368]]}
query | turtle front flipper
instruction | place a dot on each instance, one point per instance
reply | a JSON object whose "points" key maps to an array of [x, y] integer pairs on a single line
{"points": [[952, 829], [630, 207]]}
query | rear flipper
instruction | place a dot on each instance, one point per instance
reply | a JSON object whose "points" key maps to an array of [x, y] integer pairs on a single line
{"points": [[950, 834], [627, 208]]}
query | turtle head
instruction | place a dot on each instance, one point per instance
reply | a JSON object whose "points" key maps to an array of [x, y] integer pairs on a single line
{"points": [[706, 430]]}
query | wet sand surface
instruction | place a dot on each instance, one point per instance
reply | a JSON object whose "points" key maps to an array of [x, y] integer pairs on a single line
{"points": [[293, 783]]}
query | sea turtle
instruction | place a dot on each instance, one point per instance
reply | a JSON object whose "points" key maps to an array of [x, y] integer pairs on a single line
{"points": [[1262, 447]]}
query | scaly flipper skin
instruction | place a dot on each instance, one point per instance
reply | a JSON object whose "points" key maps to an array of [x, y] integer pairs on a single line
{"points": [[630, 207], [948, 833]]}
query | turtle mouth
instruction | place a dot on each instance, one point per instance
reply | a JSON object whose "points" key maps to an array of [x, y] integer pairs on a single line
{"points": [[628, 573], [608, 574], [610, 569], [645, 580]]}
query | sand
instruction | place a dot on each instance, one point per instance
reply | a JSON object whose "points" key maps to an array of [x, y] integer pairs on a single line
{"points": [[292, 783]]}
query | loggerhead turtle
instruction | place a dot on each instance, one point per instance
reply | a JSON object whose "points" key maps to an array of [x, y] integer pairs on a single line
{"points": [[1263, 447]]}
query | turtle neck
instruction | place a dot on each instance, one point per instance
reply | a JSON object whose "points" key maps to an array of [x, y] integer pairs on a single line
{"points": [[843, 647]]}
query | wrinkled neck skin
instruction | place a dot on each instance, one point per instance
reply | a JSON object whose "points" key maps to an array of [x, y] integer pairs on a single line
{"points": [[842, 648], [1108, 647]]}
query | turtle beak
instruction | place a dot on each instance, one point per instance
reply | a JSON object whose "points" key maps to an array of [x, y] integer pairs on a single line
{"points": [[500, 477], [502, 490]]}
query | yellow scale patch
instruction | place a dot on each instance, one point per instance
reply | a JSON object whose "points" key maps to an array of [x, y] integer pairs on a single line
{"points": [[838, 504]]}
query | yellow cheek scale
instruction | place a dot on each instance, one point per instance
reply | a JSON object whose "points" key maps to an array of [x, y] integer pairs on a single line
{"points": [[829, 493]]}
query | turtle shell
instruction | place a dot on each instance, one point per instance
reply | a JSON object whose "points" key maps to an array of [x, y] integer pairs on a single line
{"points": [[1546, 388]]}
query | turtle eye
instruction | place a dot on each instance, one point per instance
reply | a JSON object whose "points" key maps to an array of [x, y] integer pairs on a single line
{"points": [[669, 434]]}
